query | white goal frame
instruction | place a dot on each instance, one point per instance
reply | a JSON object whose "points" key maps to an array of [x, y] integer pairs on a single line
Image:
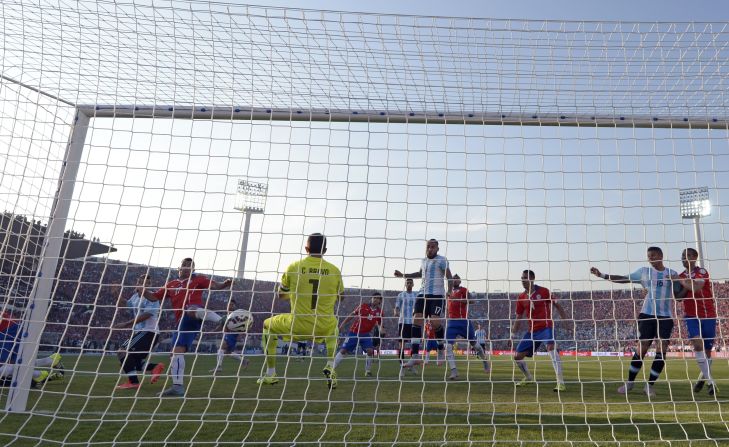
{"points": [[39, 300]]}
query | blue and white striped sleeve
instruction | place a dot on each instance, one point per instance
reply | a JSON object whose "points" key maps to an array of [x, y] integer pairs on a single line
{"points": [[637, 275]]}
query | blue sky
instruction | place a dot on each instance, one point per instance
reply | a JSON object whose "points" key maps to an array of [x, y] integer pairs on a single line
{"points": [[501, 198], [621, 10]]}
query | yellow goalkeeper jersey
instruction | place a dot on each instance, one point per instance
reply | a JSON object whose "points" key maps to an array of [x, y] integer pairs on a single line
{"points": [[313, 285]]}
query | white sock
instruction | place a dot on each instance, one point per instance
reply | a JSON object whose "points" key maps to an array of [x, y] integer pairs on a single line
{"points": [[338, 359], [427, 356], [450, 356], [219, 358], [271, 371], [44, 362], [710, 361], [178, 369], [521, 364], [703, 363], [368, 363], [557, 364], [236, 356], [207, 315], [36, 373]]}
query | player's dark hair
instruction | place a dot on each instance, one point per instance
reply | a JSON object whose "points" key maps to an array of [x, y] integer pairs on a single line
{"points": [[530, 274], [317, 243], [189, 260], [374, 294], [656, 249], [456, 276], [693, 252], [433, 240]]}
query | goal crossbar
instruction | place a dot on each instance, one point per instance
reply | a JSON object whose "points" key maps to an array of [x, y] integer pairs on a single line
{"points": [[400, 117]]}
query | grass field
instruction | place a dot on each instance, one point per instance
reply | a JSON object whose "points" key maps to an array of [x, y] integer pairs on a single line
{"points": [[83, 409]]}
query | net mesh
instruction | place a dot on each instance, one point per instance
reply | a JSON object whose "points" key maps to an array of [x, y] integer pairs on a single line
{"points": [[553, 146]]}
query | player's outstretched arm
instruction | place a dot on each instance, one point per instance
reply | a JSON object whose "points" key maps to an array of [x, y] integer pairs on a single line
{"points": [[151, 296], [399, 274], [221, 285], [560, 310], [687, 284], [346, 320], [449, 280], [516, 327], [469, 297], [612, 278], [133, 321]]}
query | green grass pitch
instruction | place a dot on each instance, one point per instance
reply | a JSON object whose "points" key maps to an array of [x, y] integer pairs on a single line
{"points": [[480, 409]]}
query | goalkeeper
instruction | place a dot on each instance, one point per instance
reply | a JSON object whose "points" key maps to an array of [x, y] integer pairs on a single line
{"points": [[313, 286]]}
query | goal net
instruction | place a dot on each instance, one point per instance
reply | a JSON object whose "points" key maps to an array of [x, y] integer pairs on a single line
{"points": [[134, 136]]}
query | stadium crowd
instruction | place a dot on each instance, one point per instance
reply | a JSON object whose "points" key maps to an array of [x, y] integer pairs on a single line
{"points": [[85, 297]]}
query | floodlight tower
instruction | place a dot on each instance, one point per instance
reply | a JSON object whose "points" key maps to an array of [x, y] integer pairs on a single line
{"points": [[695, 204], [251, 199]]}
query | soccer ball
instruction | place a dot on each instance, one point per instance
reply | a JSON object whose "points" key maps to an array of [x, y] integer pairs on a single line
{"points": [[239, 320]]}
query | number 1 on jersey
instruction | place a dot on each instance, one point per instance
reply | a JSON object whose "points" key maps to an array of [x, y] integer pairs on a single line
{"points": [[314, 292]]}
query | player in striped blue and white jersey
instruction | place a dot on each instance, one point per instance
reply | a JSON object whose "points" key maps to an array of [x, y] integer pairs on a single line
{"points": [[404, 308], [436, 275], [134, 351], [480, 335], [655, 321], [227, 346]]}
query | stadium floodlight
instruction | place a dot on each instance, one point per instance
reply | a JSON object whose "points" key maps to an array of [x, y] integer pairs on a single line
{"points": [[251, 199], [695, 204]]}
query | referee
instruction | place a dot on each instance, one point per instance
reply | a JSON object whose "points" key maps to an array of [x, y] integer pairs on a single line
{"points": [[404, 307]]}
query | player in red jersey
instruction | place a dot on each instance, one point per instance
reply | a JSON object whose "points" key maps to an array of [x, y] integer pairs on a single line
{"points": [[699, 314], [431, 343], [535, 304], [186, 296], [366, 318], [458, 325]]}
